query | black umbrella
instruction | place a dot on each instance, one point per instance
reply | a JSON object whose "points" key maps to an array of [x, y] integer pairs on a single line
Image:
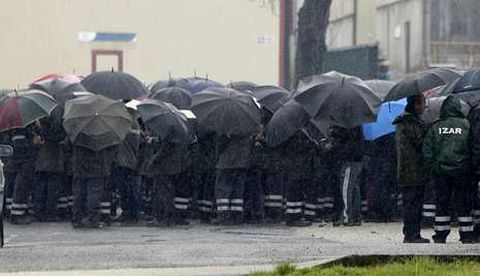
{"points": [[466, 87], [154, 87], [289, 118], [433, 108], [242, 85], [96, 122], [380, 87], [115, 85], [165, 120], [58, 88], [421, 82], [271, 97], [342, 100], [180, 98], [226, 111]]}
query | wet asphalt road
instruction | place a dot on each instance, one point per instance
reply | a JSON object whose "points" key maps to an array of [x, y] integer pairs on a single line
{"points": [[56, 246]]}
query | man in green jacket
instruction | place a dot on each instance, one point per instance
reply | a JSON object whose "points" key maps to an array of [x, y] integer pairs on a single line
{"points": [[447, 155], [411, 174]]}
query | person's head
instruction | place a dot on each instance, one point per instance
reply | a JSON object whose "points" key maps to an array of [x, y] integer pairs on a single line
{"points": [[416, 104]]}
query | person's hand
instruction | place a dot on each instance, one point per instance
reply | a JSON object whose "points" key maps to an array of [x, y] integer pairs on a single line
{"points": [[150, 140], [38, 140], [327, 146]]}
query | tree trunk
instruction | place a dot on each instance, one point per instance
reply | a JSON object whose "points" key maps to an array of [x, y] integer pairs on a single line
{"points": [[312, 27]]}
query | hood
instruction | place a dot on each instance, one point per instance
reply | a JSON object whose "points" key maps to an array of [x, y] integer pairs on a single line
{"points": [[451, 107]]}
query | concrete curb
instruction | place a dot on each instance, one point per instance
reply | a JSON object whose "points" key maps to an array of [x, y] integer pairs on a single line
{"points": [[177, 271]]}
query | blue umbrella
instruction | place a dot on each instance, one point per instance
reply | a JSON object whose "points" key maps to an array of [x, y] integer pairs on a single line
{"points": [[383, 126]]}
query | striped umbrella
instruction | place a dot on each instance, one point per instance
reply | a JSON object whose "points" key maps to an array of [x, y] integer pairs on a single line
{"points": [[19, 109]]}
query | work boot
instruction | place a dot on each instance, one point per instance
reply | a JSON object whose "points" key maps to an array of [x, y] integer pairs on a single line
{"points": [[22, 220], [418, 239], [222, 219], [438, 239], [299, 223]]}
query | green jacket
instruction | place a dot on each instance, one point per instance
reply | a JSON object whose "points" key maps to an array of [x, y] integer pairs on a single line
{"points": [[447, 144], [409, 134]]}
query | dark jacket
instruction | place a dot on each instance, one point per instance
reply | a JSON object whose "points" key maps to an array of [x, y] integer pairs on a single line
{"points": [[24, 150], [298, 157], [170, 159], [128, 150], [410, 131], [204, 154], [89, 163], [50, 154], [446, 147], [474, 118], [234, 152], [348, 144]]}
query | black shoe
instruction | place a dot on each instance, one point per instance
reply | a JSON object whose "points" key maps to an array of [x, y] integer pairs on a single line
{"points": [[77, 225], [437, 239], [353, 223], [92, 224], [299, 223], [181, 222], [337, 223], [469, 241], [21, 220], [416, 240]]}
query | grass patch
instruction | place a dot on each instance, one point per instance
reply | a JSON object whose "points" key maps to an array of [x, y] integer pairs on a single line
{"points": [[407, 266]]}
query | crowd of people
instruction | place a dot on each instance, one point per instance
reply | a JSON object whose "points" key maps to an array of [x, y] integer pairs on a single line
{"points": [[314, 176]]}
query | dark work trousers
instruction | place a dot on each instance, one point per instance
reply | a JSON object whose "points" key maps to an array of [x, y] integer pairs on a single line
{"points": [[183, 196], [87, 192], [128, 183], [476, 207], [254, 195], [273, 199], [311, 194], [46, 193], [295, 189], [206, 184], [22, 190], [351, 195], [429, 206], [458, 187], [162, 200], [412, 201], [147, 193], [9, 187], [229, 193], [382, 191], [108, 200], [65, 197], [332, 196]]}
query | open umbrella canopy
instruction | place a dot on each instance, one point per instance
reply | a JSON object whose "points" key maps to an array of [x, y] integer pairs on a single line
{"points": [[19, 109], [420, 82], [154, 87], [115, 85], [58, 88], [242, 85], [96, 122], [384, 123], [343, 100], [434, 105], [226, 111], [271, 97], [195, 84], [165, 120], [466, 87], [380, 87], [289, 118], [177, 96], [71, 78]]}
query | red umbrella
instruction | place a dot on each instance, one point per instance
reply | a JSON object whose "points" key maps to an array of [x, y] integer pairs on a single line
{"points": [[19, 109], [55, 76]]}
